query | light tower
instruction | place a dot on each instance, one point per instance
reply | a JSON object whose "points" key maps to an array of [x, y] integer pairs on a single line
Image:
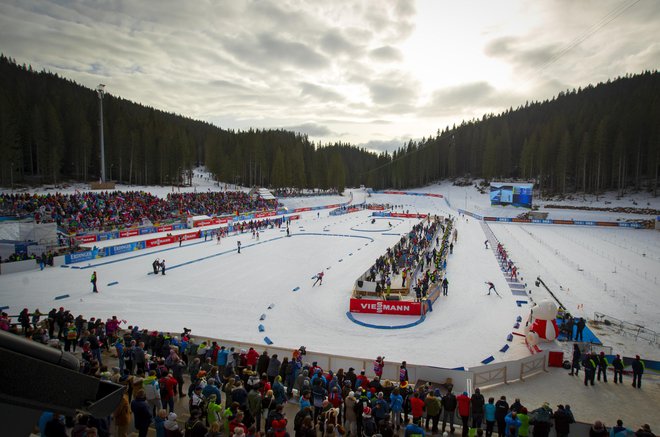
{"points": [[100, 90]]}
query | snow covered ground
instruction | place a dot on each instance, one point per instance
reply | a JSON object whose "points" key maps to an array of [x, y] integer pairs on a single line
{"points": [[217, 292]]}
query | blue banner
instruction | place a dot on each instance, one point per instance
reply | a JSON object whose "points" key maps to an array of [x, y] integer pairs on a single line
{"points": [[124, 248]]}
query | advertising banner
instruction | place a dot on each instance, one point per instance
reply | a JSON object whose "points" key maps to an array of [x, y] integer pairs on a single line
{"points": [[107, 236], [148, 230], [369, 306], [124, 248], [166, 228], [160, 241], [129, 233], [85, 239]]}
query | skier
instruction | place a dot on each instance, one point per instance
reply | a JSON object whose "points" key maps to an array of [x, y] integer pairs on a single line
{"points": [[451, 248], [445, 286], [218, 237], [93, 281], [287, 232], [238, 245], [491, 287], [162, 267], [319, 279], [257, 235], [486, 244], [180, 240], [155, 265]]}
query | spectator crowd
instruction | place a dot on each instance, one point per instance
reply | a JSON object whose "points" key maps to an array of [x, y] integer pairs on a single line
{"points": [[243, 392], [89, 211]]}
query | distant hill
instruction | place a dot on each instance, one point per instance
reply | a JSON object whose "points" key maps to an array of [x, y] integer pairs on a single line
{"points": [[593, 139]]}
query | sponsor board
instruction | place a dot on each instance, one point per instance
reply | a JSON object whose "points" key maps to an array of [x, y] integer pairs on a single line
{"points": [[107, 236], [370, 306], [265, 214], [85, 238], [160, 241], [302, 209], [77, 257], [166, 228], [129, 233], [190, 235]]}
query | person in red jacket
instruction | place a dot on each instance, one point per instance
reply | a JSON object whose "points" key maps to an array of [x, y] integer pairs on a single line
{"points": [[252, 358], [168, 390], [463, 401], [417, 408]]}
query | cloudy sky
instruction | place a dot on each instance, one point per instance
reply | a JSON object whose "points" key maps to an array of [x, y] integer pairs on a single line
{"points": [[374, 73]]}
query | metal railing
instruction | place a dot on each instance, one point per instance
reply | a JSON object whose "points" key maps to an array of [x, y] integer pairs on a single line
{"points": [[636, 331]]}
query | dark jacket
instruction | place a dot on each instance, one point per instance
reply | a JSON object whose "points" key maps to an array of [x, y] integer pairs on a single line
{"points": [[141, 413], [449, 402], [501, 409], [477, 404], [562, 422], [638, 366]]}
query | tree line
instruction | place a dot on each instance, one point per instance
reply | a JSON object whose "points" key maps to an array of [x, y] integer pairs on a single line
{"points": [[592, 139]]}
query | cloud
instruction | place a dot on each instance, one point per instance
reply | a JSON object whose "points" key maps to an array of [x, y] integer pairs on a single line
{"points": [[312, 129], [386, 54], [380, 146], [320, 93]]}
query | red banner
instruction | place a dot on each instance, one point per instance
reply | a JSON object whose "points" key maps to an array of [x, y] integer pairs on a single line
{"points": [[164, 228], [370, 306], [302, 209], [294, 217], [207, 222], [521, 220], [336, 205], [129, 233], [190, 236], [265, 214], [376, 207], [160, 241], [86, 238]]}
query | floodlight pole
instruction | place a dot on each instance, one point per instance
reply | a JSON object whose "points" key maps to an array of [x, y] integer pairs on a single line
{"points": [[100, 90]]}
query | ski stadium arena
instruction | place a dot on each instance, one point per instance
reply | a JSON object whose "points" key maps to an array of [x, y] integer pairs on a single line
{"points": [[264, 296]]}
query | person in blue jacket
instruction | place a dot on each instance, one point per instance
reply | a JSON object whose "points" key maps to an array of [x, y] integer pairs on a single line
{"points": [[396, 406], [489, 415], [413, 430], [512, 424]]}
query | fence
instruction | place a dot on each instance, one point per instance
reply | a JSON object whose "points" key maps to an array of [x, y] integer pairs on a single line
{"points": [[463, 380], [638, 332]]}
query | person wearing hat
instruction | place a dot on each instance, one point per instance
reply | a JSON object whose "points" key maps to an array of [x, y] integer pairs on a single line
{"points": [[617, 364], [589, 365], [196, 400], [350, 418], [213, 410], [562, 422], [195, 424], [638, 367], [413, 430], [602, 366], [368, 423], [644, 431]]}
